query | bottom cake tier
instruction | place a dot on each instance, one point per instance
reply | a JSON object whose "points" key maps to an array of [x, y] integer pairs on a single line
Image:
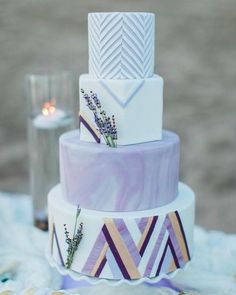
{"points": [[122, 245]]}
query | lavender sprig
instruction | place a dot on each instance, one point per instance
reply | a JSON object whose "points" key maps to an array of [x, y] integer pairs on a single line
{"points": [[73, 242], [105, 125]]}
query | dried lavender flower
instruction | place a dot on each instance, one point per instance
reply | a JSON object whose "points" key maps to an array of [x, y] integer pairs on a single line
{"points": [[105, 125], [73, 243]]}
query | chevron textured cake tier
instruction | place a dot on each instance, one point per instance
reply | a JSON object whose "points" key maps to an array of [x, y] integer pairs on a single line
{"points": [[121, 45], [123, 245], [126, 178], [129, 101]]}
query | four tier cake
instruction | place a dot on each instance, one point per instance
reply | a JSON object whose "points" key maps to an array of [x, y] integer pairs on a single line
{"points": [[120, 212]]}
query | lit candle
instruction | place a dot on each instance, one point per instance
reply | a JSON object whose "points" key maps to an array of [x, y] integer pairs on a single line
{"points": [[50, 117]]}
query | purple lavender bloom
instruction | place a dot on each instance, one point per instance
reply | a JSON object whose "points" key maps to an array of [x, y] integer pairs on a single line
{"points": [[106, 125], [73, 243]]}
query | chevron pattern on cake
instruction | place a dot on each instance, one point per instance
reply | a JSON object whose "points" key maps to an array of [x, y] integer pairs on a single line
{"points": [[161, 247], [121, 45], [90, 127], [124, 95], [54, 237]]}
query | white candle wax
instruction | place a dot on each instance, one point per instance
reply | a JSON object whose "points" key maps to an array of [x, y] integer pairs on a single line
{"points": [[53, 120]]}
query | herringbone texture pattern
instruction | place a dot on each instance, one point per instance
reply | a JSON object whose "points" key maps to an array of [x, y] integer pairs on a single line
{"points": [[121, 45]]}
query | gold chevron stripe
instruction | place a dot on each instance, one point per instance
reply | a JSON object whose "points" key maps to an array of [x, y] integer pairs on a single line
{"points": [[99, 260], [143, 237], [178, 234], [91, 125], [122, 249], [172, 266]]}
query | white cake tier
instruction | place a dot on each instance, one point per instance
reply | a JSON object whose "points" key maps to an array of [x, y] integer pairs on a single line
{"points": [[123, 245], [136, 105], [121, 45]]}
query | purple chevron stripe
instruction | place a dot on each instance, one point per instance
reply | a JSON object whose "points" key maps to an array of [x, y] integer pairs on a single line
{"points": [[167, 261], [101, 266], [128, 240], [142, 223], [115, 253], [94, 254], [173, 253], [174, 240], [183, 233], [82, 120], [144, 246], [155, 251], [162, 258], [113, 265], [169, 243], [58, 246]]}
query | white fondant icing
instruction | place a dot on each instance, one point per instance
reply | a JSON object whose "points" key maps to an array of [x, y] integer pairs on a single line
{"points": [[121, 45], [122, 92], [62, 212], [136, 104]]}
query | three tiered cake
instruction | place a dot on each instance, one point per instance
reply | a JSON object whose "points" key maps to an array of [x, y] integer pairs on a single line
{"points": [[120, 212]]}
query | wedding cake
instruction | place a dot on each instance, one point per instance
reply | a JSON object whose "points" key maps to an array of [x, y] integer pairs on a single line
{"points": [[120, 212]]}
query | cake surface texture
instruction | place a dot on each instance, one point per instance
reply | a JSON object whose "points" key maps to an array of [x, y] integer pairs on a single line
{"points": [[120, 212], [127, 178], [127, 245], [136, 104], [121, 45]]}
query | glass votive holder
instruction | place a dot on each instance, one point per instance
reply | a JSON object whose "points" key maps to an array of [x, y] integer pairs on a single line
{"points": [[51, 101]]}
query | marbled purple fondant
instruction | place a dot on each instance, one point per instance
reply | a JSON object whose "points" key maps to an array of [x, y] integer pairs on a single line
{"points": [[126, 178]]}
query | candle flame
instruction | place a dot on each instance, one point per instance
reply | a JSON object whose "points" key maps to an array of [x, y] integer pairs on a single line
{"points": [[49, 107]]}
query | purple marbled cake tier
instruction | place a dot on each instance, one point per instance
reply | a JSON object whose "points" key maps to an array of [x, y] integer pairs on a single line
{"points": [[126, 178]]}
